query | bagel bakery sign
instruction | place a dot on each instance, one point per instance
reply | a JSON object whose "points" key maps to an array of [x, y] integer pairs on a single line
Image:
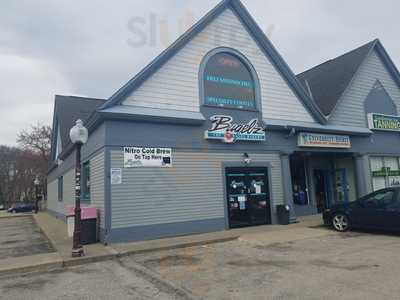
{"points": [[225, 129]]}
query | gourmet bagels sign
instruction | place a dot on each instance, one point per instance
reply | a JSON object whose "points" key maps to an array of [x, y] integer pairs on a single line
{"points": [[225, 129]]}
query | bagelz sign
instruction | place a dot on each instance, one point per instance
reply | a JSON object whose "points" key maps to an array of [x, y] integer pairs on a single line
{"points": [[323, 140], [135, 157], [225, 129], [383, 122]]}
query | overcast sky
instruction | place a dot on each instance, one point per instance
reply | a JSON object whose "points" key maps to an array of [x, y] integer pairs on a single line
{"points": [[92, 47]]}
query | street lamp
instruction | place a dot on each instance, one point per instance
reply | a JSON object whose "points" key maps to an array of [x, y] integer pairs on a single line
{"points": [[79, 136], [36, 183]]}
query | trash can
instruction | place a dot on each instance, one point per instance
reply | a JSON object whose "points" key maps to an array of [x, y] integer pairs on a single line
{"points": [[88, 224], [283, 212]]}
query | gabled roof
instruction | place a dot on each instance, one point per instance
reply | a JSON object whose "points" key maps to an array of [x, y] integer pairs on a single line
{"points": [[253, 29], [328, 81], [68, 109]]}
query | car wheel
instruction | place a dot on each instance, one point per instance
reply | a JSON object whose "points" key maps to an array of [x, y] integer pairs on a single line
{"points": [[341, 222]]}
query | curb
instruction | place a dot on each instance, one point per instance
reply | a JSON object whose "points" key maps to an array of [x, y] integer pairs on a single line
{"points": [[20, 215], [93, 259], [72, 262], [125, 253], [32, 268], [23, 264]]}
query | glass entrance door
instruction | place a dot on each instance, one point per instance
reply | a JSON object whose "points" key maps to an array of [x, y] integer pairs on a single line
{"points": [[248, 197], [323, 189], [331, 188]]}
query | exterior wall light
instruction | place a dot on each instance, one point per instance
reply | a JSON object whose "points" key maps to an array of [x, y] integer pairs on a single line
{"points": [[246, 158]]}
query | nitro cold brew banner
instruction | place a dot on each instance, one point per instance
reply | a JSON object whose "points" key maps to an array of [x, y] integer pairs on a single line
{"points": [[147, 157], [228, 83]]}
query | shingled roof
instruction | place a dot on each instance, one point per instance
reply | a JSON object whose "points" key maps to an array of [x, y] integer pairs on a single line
{"points": [[68, 109], [328, 81]]}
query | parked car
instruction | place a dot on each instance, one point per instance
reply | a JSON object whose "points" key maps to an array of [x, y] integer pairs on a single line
{"points": [[378, 210], [21, 207]]}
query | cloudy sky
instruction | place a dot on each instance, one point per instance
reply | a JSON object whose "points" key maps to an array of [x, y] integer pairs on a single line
{"points": [[91, 48]]}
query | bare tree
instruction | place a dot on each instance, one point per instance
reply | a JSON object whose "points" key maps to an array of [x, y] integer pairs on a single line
{"points": [[18, 170], [9, 190], [36, 142], [20, 166], [37, 139]]}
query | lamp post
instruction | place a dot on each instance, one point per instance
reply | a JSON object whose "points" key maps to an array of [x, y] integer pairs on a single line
{"points": [[79, 136], [36, 182]]}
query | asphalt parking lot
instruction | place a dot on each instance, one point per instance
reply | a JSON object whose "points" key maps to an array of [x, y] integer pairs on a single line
{"points": [[353, 265], [20, 236], [337, 266]]}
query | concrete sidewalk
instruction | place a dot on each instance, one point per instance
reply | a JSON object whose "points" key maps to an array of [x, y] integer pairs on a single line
{"points": [[56, 231]]}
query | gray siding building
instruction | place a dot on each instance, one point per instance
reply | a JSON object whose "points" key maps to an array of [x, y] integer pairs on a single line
{"points": [[217, 132]]}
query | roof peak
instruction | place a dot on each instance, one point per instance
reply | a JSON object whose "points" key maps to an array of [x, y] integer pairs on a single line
{"points": [[371, 44], [329, 80], [253, 29]]}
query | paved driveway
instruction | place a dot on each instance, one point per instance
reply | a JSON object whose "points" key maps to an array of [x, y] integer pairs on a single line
{"points": [[335, 266], [327, 266], [20, 236]]}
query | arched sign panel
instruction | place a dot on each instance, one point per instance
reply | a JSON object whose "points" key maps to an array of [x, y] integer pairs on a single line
{"points": [[228, 83]]}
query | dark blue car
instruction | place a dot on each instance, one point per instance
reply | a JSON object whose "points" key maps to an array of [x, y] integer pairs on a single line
{"points": [[378, 210], [21, 207]]}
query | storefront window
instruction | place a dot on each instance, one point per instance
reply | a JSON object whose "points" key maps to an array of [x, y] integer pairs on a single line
{"points": [[392, 163], [385, 172], [60, 183], [228, 82]]}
